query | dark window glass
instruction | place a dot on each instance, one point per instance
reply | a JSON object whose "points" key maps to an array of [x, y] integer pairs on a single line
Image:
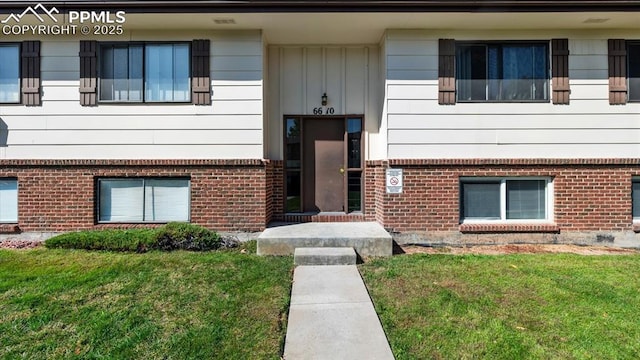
{"points": [[294, 200], [293, 143], [145, 72], [633, 55], [635, 199], [354, 131], [481, 200], [526, 199], [355, 191], [502, 72]]}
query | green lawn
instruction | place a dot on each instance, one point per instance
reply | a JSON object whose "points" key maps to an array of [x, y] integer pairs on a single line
{"points": [[60, 304], [508, 307]]}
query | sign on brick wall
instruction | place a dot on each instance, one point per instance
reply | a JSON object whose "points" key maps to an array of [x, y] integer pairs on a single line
{"points": [[394, 181]]}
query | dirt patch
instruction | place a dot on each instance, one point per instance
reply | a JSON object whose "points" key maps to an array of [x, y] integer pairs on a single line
{"points": [[19, 244], [517, 249]]}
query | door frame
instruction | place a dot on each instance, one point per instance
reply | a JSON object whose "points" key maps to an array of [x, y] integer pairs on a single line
{"points": [[300, 169]]}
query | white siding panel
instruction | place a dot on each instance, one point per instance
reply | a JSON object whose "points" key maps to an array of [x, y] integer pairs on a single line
{"points": [[135, 152], [232, 75], [291, 70], [335, 77], [413, 47], [522, 121], [133, 137], [220, 107], [413, 92], [589, 92], [356, 80], [569, 136], [424, 75], [472, 151], [418, 127], [314, 78], [60, 63], [416, 62], [236, 63], [62, 129], [134, 122], [60, 93], [577, 106], [442, 137], [237, 92]]}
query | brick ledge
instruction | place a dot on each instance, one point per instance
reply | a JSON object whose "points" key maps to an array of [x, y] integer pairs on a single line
{"points": [[520, 162], [134, 162], [509, 228]]}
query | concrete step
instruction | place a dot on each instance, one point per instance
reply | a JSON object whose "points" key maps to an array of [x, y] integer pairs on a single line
{"points": [[366, 238], [324, 256]]}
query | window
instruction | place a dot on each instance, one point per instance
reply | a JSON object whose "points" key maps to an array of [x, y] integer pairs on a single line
{"points": [[143, 200], [489, 199], [635, 199], [503, 72], [9, 73], [8, 201], [633, 57], [145, 72]]}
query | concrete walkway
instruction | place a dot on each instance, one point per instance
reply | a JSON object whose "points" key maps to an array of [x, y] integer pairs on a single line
{"points": [[332, 317]]}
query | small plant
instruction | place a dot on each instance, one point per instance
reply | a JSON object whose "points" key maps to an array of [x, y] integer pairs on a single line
{"points": [[185, 236]]}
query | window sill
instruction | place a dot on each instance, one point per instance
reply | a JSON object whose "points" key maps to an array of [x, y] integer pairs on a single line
{"points": [[9, 229], [509, 228], [636, 227]]}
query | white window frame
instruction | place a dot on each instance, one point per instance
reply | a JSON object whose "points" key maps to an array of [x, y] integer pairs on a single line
{"points": [[144, 200], [12, 220], [549, 205], [19, 61]]}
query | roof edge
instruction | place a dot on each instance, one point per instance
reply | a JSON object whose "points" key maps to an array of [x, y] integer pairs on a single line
{"points": [[258, 6]]}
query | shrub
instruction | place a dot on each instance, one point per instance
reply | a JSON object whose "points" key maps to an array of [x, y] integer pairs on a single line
{"points": [[117, 240], [185, 236], [172, 236]]}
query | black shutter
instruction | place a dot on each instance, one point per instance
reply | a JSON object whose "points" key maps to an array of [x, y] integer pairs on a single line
{"points": [[560, 71], [88, 73], [617, 72], [200, 73], [446, 72], [30, 76]]}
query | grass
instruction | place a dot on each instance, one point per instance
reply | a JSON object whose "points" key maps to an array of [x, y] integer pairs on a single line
{"points": [[61, 304], [508, 307]]}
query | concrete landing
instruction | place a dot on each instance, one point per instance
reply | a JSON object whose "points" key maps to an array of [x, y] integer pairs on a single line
{"points": [[367, 238], [331, 317], [324, 256]]}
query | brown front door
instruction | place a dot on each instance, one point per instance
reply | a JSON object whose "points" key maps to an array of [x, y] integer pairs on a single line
{"points": [[323, 165]]}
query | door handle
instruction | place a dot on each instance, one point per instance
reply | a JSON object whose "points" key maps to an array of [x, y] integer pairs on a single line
{"points": [[341, 170]]}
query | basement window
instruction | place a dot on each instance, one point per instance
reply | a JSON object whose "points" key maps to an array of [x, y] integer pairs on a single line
{"points": [[499, 199], [8, 200], [134, 200]]}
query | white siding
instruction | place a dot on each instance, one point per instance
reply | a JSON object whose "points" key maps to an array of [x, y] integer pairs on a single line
{"points": [[62, 129], [417, 127], [300, 75]]}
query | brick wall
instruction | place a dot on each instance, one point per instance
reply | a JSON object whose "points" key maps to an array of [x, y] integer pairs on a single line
{"points": [[589, 195], [229, 195], [226, 195]]}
